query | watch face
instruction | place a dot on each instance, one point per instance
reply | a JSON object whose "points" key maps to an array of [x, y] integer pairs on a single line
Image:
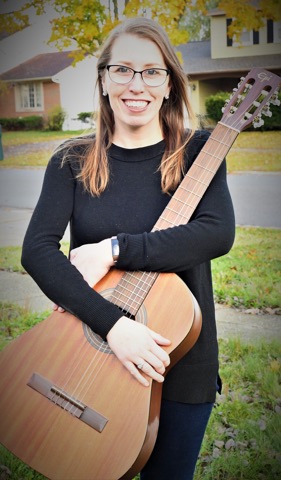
{"points": [[115, 248]]}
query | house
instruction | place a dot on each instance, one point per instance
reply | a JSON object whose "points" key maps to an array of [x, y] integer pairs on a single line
{"points": [[218, 64], [47, 80]]}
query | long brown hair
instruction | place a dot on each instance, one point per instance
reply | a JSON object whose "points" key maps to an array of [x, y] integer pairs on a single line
{"points": [[173, 112]]}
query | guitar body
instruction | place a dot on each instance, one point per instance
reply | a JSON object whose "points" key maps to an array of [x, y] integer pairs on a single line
{"points": [[57, 369]]}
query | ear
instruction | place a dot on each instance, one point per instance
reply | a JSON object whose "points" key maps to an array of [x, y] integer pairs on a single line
{"points": [[167, 94], [103, 84]]}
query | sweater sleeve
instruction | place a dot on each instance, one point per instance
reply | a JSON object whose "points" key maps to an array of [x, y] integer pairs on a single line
{"points": [[209, 234], [49, 267]]}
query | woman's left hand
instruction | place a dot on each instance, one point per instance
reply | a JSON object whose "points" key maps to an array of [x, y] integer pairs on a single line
{"points": [[93, 260]]}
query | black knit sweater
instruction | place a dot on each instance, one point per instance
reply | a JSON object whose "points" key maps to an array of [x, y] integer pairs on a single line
{"points": [[129, 208]]}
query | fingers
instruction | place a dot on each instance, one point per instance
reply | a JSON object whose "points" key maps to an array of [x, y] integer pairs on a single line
{"points": [[137, 373], [57, 308], [136, 345], [159, 353]]}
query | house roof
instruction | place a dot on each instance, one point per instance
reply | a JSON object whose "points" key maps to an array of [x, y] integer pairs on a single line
{"points": [[41, 67], [197, 62]]}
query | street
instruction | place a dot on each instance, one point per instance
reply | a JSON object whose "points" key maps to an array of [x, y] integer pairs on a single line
{"points": [[256, 198]]}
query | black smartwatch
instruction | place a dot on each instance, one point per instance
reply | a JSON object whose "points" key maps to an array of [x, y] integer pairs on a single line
{"points": [[115, 248]]}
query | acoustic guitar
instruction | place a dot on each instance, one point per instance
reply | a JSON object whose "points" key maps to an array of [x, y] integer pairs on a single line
{"points": [[68, 408]]}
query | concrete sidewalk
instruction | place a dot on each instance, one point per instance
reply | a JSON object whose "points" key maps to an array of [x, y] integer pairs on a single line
{"points": [[21, 289]]}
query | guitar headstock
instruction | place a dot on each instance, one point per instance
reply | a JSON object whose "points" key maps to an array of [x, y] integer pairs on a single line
{"points": [[251, 99]]}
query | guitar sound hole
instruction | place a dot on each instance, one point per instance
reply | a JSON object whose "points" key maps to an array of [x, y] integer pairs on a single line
{"points": [[96, 341]]}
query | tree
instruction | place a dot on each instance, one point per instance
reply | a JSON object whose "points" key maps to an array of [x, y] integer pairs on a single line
{"points": [[86, 23]]}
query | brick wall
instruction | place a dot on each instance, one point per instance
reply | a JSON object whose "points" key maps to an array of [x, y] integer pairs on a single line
{"points": [[51, 94]]}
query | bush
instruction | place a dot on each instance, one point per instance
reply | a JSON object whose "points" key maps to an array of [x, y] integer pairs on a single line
{"points": [[84, 116], [56, 118], [88, 117], [34, 122], [214, 104]]}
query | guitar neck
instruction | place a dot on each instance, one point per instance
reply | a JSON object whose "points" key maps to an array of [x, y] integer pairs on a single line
{"points": [[191, 190], [134, 286], [247, 104]]}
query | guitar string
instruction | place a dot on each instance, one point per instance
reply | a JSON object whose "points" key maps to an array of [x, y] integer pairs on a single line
{"points": [[100, 364], [78, 357], [180, 214], [97, 368], [136, 287]]}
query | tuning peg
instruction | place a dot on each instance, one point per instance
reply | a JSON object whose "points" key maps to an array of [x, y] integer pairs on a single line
{"points": [[258, 121], [266, 110], [241, 81], [274, 99], [225, 105], [233, 93]]}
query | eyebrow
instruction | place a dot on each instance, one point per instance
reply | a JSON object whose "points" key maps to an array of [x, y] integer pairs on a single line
{"points": [[147, 65]]}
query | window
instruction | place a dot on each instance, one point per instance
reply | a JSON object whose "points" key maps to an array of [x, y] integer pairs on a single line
{"points": [[277, 32], [247, 37], [29, 97], [273, 32]]}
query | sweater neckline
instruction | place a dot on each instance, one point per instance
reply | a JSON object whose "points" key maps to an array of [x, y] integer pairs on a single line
{"points": [[139, 154]]}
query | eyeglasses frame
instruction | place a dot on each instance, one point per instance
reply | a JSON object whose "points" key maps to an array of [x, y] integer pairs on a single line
{"points": [[140, 72]]}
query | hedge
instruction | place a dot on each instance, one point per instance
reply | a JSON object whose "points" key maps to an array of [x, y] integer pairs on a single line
{"points": [[34, 122], [214, 104]]}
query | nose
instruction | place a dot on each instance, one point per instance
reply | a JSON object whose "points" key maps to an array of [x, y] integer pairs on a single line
{"points": [[137, 83]]}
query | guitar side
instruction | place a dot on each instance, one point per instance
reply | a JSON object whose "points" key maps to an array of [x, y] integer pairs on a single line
{"points": [[59, 444]]}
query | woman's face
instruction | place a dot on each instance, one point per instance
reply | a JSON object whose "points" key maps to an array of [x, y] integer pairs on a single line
{"points": [[136, 105]]}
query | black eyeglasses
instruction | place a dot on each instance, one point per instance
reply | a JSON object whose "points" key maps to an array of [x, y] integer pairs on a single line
{"points": [[153, 77]]}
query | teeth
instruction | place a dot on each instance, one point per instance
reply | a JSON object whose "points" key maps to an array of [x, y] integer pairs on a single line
{"points": [[136, 103]]}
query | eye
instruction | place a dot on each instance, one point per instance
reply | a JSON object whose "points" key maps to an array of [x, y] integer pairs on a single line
{"points": [[122, 69], [152, 71]]}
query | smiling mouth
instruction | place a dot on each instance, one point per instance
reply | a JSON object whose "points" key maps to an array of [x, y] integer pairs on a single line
{"points": [[136, 104]]}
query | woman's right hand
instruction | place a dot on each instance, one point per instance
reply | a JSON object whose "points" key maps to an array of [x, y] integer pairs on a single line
{"points": [[139, 349]]}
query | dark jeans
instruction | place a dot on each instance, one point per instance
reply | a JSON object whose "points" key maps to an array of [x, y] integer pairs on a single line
{"points": [[181, 431]]}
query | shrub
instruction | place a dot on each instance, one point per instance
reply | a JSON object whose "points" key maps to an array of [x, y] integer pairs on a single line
{"points": [[56, 117], [34, 122], [84, 116], [214, 104]]}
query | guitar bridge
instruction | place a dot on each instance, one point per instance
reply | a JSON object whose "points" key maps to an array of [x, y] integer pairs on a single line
{"points": [[67, 402]]}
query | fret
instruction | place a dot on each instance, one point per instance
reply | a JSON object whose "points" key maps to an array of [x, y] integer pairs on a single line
{"points": [[178, 212], [129, 306], [124, 291], [182, 187], [219, 141], [164, 219], [228, 126], [203, 166], [211, 155], [197, 180], [132, 290]]}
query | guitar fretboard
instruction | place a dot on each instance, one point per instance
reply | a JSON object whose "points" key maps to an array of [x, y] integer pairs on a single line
{"points": [[134, 286]]}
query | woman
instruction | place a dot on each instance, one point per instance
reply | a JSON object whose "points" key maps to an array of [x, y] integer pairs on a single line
{"points": [[112, 187]]}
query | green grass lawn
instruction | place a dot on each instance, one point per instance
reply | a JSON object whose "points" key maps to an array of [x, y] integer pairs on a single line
{"points": [[249, 276]]}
